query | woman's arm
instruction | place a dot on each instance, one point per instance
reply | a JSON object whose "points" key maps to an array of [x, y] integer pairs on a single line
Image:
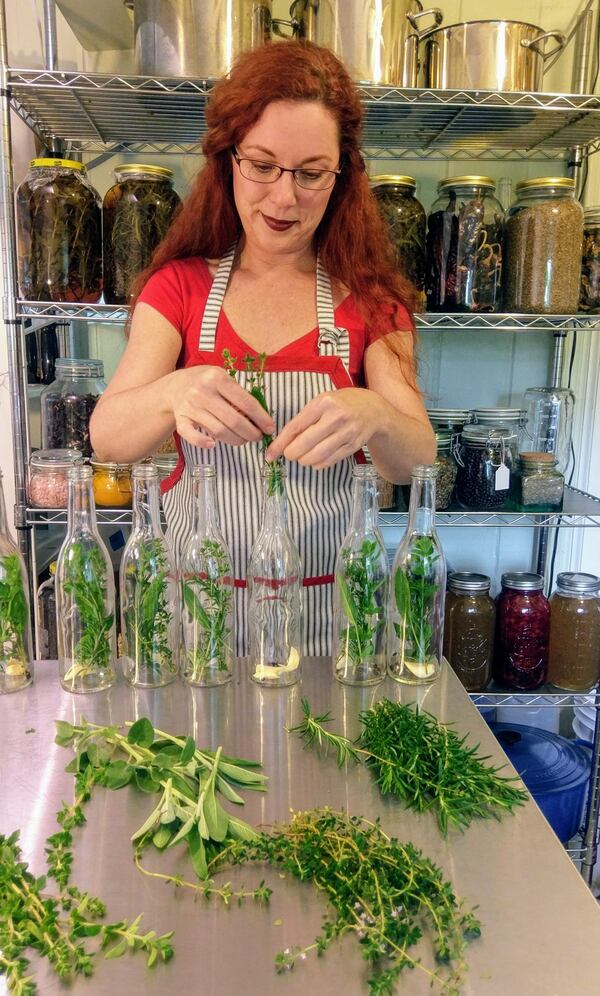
{"points": [[148, 398]]}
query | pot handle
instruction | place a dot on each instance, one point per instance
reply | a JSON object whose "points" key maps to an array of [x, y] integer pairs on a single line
{"points": [[533, 43], [413, 20]]}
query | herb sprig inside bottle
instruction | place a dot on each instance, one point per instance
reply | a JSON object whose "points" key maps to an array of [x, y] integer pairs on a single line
{"points": [[255, 385]]}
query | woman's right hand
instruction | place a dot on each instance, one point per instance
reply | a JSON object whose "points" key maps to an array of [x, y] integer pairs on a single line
{"points": [[209, 405]]}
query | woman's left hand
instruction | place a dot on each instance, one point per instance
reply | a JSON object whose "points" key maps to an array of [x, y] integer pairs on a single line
{"points": [[332, 426]]}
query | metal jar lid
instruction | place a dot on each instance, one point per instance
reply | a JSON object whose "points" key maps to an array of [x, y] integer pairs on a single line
{"points": [[562, 182], [497, 416], [467, 181], [578, 582], [522, 581], [467, 581], [393, 180], [57, 163], [449, 416], [144, 168], [484, 435]]}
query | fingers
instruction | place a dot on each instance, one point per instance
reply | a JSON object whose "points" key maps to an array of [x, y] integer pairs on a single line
{"points": [[241, 400], [189, 431]]}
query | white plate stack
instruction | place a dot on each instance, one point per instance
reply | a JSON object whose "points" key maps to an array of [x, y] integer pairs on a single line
{"points": [[584, 720]]}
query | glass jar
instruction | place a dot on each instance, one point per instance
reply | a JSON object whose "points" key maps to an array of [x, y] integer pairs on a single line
{"points": [[522, 632], [112, 484], [486, 459], [48, 477], [67, 404], [446, 468], [512, 419], [407, 222], [136, 214], [589, 295], [46, 599], [59, 233], [544, 235], [464, 246], [469, 629], [539, 485], [453, 419], [549, 422], [574, 656]]}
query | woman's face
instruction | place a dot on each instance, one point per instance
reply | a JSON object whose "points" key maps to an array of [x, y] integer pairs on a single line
{"points": [[281, 216]]}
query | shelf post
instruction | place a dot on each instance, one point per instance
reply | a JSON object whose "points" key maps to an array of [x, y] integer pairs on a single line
{"points": [[57, 146]]}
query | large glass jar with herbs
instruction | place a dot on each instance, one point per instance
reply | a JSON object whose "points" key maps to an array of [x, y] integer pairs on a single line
{"points": [[543, 243], [589, 297], [486, 461], [464, 246], [574, 656], [407, 222], [67, 404], [59, 233], [469, 628], [136, 213], [522, 632], [15, 629]]}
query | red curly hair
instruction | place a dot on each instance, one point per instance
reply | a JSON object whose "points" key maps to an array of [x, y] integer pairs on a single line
{"points": [[353, 240]]}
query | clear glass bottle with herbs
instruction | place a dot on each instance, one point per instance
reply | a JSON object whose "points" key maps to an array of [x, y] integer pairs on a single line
{"points": [[574, 653], [544, 236], [465, 231], [274, 579], [589, 296], [15, 626], [85, 595], [538, 484], [407, 222], [522, 632], [486, 462], [46, 599], [67, 404], [361, 589], [417, 589], [469, 628], [150, 613], [59, 233], [136, 213], [207, 590]]}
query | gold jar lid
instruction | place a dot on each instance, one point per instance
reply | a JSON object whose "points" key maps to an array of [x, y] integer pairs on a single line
{"points": [[49, 163], [467, 181], [144, 168], [562, 182], [392, 179]]}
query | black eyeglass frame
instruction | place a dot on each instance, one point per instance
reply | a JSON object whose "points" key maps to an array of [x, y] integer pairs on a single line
{"points": [[285, 169]]}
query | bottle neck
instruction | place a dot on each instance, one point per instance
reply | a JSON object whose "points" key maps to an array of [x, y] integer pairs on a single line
{"points": [[365, 507], [421, 510], [146, 506], [274, 508], [206, 521], [81, 508]]}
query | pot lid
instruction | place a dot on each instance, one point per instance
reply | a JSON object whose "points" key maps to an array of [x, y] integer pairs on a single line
{"points": [[545, 761]]}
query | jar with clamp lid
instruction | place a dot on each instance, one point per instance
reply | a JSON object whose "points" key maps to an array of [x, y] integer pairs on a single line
{"points": [[112, 484], [522, 632], [67, 404], [452, 419], [48, 477], [513, 419], [589, 296], [539, 485], [407, 223], [469, 628], [574, 655], [486, 461]]}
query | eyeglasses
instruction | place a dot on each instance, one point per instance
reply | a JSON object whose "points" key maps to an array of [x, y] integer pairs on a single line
{"points": [[308, 179]]}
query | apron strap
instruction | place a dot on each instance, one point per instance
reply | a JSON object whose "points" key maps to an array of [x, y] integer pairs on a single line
{"points": [[214, 302], [333, 341]]}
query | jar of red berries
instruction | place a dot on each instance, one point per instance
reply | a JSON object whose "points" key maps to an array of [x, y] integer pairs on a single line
{"points": [[522, 632]]}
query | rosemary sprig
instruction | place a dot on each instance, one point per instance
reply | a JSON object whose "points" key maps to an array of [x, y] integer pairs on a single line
{"points": [[207, 599], [255, 368]]}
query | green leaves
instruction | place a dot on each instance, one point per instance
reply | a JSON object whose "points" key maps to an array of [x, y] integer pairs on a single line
{"points": [[141, 732], [415, 591], [85, 585], [361, 579], [13, 611], [149, 614]]}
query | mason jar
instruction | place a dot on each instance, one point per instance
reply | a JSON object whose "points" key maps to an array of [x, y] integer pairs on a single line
{"points": [[543, 244], [446, 467], [469, 627], [539, 485], [407, 223], [67, 404], [464, 246], [574, 655], [589, 297], [522, 632], [486, 461]]}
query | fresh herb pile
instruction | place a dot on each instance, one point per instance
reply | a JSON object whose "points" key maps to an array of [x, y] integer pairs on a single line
{"points": [[13, 617], [85, 616], [383, 891], [415, 593], [207, 597], [148, 616], [255, 385], [361, 587], [422, 762]]}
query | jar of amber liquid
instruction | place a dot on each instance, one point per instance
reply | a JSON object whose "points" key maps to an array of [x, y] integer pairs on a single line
{"points": [[522, 632], [469, 628], [112, 484], [574, 658]]}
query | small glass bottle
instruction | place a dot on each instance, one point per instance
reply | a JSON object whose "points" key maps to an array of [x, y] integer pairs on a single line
{"points": [[149, 591], [46, 599], [589, 295], [15, 626], [207, 590], [274, 579], [539, 484], [361, 589], [67, 404], [407, 223], [522, 632], [85, 595], [417, 589], [469, 628], [574, 655]]}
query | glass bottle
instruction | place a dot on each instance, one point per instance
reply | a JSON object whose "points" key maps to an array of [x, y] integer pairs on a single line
{"points": [[32, 357], [589, 294], [417, 589], [522, 632], [207, 590], [149, 591], [407, 223], [46, 599], [274, 579], [361, 589], [85, 595], [49, 353], [469, 628], [548, 422], [15, 626], [574, 654], [67, 404]]}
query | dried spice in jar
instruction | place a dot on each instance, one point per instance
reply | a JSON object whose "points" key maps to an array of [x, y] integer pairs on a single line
{"points": [[48, 477], [446, 467], [136, 214], [544, 234], [539, 484], [67, 404], [464, 246], [574, 656], [407, 223], [469, 627], [589, 297], [486, 459], [522, 632], [59, 233]]}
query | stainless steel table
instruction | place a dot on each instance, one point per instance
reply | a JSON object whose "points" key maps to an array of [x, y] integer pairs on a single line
{"points": [[541, 925]]}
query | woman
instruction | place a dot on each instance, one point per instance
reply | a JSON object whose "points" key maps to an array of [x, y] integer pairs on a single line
{"points": [[283, 199]]}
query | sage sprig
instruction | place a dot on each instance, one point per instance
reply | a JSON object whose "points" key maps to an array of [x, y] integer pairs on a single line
{"points": [[360, 585]]}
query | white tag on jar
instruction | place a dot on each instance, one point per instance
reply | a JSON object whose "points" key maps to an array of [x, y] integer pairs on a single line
{"points": [[502, 478]]}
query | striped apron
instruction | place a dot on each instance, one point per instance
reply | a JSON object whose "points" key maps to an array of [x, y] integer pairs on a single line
{"points": [[319, 501]]}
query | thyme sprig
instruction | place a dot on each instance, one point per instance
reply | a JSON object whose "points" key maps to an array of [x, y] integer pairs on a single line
{"points": [[255, 385], [85, 579], [148, 615], [422, 762], [207, 597]]}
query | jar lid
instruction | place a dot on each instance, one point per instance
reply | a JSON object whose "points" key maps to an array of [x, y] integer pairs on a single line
{"points": [[468, 581], [546, 761], [549, 459], [578, 582], [55, 459], [49, 163], [393, 179], [74, 367], [492, 416], [591, 214], [467, 181], [457, 416], [443, 438], [522, 581], [563, 182], [481, 435], [108, 464], [144, 168]]}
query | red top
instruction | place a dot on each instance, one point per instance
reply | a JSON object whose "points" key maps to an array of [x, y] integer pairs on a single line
{"points": [[179, 291]]}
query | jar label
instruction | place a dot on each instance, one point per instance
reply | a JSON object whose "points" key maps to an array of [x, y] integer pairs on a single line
{"points": [[502, 478]]}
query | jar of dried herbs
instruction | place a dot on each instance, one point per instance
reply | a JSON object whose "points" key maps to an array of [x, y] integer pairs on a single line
{"points": [[446, 468], [464, 246], [486, 460], [67, 404], [543, 243], [136, 213], [59, 233], [407, 222], [589, 298], [539, 484], [469, 628]]}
